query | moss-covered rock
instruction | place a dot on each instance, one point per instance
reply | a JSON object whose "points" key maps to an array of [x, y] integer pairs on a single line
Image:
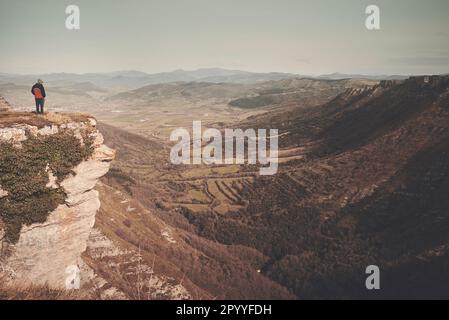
{"points": [[24, 176]]}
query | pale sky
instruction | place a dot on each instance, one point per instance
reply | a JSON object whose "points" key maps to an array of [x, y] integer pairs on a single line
{"points": [[305, 37]]}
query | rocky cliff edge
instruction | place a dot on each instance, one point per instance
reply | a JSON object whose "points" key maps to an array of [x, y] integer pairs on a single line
{"points": [[46, 248]]}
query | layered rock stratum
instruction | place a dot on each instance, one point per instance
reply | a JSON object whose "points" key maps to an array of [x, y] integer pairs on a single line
{"points": [[47, 252], [68, 247]]}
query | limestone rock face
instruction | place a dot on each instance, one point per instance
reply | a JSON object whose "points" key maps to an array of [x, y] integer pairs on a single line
{"points": [[13, 135], [48, 253]]}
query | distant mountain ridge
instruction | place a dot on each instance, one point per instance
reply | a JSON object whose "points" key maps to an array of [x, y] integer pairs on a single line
{"points": [[339, 76], [132, 79]]}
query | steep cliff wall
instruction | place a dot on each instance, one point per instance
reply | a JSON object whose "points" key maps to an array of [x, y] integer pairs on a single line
{"points": [[49, 167]]}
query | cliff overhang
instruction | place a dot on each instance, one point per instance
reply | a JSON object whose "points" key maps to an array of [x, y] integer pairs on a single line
{"points": [[49, 166]]}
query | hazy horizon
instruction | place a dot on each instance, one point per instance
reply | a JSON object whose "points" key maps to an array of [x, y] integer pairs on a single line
{"points": [[218, 68], [300, 37], [201, 68]]}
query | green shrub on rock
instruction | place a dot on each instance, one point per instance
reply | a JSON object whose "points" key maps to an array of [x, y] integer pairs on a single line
{"points": [[24, 176]]}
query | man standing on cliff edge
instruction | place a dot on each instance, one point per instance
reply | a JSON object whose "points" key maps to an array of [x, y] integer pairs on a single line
{"points": [[38, 91]]}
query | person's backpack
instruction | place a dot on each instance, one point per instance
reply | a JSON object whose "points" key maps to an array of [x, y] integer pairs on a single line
{"points": [[38, 93]]}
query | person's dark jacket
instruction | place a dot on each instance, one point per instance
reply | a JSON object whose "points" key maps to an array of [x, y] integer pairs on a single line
{"points": [[40, 87]]}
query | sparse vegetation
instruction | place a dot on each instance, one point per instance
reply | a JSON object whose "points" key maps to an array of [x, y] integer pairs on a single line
{"points": [[43, 292], [51, 118], [255, 102], [122, 178]]}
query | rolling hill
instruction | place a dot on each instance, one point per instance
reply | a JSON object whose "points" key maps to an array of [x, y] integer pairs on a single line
{"points": [[362, 180]]}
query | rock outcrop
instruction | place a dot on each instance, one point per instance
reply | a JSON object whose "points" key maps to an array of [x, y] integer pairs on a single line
{"points": [[49, 252]]}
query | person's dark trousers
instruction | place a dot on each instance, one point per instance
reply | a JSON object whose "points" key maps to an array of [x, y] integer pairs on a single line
{"points": [[40, 105]]}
